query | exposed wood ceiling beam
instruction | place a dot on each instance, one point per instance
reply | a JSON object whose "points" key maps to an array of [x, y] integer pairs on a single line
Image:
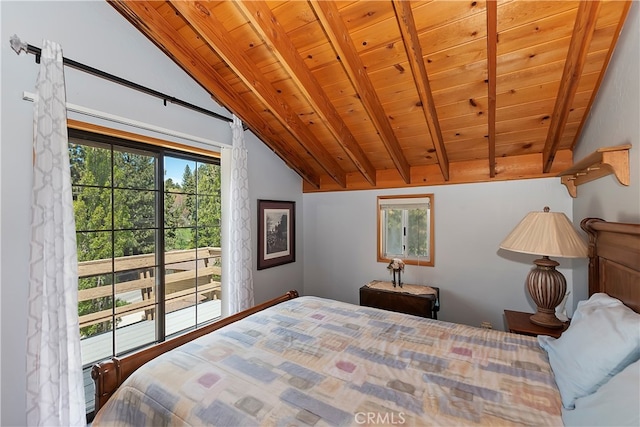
{"points": [[212, 32], [309, 61], [334, 27], [524, 166], [407, 26], [614, 41], [156, 29], [267, 25], [492, 60], [583, 29]]}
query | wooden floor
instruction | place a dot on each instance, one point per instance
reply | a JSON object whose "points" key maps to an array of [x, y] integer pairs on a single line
{"points": [[135, 336]]}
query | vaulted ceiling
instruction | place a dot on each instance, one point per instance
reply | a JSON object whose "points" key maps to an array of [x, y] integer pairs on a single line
{"points": [[378, 94]]}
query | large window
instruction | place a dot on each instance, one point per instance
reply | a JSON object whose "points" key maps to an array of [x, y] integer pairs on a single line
{"points": [[405, 229], [148, 237]]}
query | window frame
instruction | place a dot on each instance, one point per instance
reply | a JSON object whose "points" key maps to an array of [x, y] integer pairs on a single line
{"points": [[160, 149], [381, 234]]}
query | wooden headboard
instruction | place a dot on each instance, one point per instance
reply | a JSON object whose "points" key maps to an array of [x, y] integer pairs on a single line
{"points": [[614, 260]]}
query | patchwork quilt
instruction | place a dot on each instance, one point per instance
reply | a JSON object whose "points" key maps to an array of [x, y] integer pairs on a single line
{"points": [[317, 362]]}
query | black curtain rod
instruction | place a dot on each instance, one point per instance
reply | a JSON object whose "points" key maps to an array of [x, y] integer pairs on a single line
{"points": [[99, 73]]}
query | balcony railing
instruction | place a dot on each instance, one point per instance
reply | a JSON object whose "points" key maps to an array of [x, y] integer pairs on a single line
{"points": [[190, 280]]}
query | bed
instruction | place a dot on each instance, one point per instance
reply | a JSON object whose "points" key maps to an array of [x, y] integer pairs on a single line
{"points": [[311, 361]]}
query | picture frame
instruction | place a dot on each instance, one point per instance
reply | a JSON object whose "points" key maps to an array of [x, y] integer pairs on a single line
{"points": [[276, 233]]}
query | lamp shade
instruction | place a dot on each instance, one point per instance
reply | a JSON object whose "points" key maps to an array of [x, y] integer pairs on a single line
{"points": [[546, 233]]}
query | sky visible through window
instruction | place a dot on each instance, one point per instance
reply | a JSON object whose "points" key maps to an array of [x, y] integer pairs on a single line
{"points": [[173, 168]]}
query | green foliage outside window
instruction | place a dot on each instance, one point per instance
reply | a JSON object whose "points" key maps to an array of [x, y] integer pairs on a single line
{"points": [[114, 198], [406, 228], [417, 236]]}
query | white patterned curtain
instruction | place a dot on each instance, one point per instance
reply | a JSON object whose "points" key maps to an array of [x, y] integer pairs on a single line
{"points": [[55, 393], [240, 289]]}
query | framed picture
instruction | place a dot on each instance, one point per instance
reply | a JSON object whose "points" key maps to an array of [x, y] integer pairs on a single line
{"points": [[276, 233]]}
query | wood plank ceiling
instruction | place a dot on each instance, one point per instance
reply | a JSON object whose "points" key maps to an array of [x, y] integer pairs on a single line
{"points": [[379, 94]]}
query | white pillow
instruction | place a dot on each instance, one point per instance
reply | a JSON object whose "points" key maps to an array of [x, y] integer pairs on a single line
{"points": [[603, 339], [596, 302], [616, 403]]}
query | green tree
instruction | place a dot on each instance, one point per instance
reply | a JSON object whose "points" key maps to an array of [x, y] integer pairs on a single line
{"points": [[189, 191], [134, 182], [394, 231], [209, 209], [94, 215], [417, 236], [76, 160], [115, 208]]}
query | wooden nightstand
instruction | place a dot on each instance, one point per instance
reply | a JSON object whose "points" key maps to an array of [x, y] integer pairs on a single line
{"points": [[417, 300], [519, 323]]}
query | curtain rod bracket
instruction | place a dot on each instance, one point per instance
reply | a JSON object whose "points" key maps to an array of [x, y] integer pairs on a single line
{"points": [[17, 45]]}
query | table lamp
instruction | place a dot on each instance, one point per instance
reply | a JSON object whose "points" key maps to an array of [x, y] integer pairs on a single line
{"points": [[547, 234]]}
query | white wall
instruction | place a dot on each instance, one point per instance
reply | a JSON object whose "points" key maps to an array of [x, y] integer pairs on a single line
{"points": [[477, 280], [614, 120], [92, 32], [271, 179]]}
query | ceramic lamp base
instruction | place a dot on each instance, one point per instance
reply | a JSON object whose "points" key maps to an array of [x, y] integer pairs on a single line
{"points": [[548, 320], [547, 288]]}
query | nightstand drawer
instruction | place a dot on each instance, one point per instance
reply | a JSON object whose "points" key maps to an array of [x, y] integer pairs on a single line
{"points": [[518, 322], [410, 299]]}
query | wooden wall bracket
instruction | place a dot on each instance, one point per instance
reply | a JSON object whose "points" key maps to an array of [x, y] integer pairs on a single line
{"points": [[602, 162]]}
